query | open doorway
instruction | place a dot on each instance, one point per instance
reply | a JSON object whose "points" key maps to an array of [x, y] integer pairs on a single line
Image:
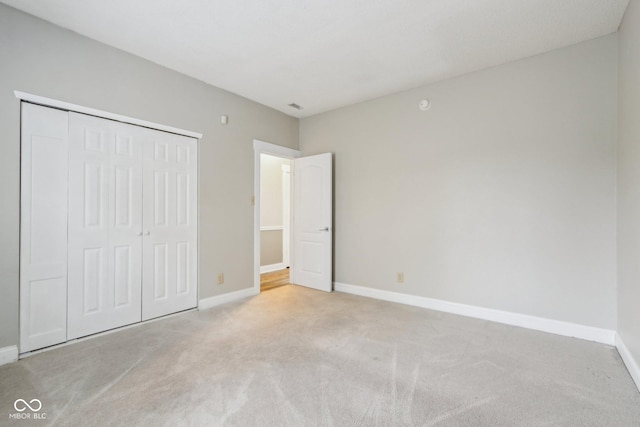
{"points": [[269, 266], [310, 232], [275, 221]]}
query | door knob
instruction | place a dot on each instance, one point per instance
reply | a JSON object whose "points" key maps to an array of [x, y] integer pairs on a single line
{"points": [[139, 233], [324, 229], [146, 233]]}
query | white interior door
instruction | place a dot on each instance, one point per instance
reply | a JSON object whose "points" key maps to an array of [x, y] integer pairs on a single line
{"points": [[170, 224], [43, 227], [312, 222], [105, 225]]}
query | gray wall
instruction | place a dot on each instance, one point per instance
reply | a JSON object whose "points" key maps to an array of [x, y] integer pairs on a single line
{"points": [[270, 247], [501, 196], [43, 59], [629, 181]]}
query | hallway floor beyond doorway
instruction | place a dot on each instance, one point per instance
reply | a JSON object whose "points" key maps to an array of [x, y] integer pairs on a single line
{"points": [[274, 279]]}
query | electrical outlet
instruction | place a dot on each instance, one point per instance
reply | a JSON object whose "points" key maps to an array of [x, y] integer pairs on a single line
{"points": [[400, 277], [220, 278]]}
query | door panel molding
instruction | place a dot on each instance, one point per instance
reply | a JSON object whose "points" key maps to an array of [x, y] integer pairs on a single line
{"points": [[105, 219], [170, 236], [312, 261]]}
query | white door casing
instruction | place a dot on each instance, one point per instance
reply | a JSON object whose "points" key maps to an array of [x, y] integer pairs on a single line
{"points": [[170, 224], [286, 215], [105, 224], [43, 227], [312, 222]]}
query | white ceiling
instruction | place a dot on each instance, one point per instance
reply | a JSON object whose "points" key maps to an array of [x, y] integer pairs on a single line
{"points": [[325, 54]]}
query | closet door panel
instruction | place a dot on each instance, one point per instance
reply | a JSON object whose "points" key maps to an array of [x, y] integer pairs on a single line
{"points": [[125, 219], [43, 227], [170, 224], [105, 222]]}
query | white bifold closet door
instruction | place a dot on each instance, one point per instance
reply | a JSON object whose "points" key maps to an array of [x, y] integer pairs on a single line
{"points": [[108, 225], [43, 227], [105, 224], [169, 277], [132, 224]]}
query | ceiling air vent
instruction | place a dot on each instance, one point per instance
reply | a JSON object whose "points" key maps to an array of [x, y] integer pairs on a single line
{"points": [[296, 106]]}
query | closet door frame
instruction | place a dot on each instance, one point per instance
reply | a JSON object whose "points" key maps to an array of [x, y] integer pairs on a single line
{"points": [[27, 346]]}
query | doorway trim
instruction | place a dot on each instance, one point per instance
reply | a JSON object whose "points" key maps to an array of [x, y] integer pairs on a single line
{"points": [[262, 147], [286, 214]]}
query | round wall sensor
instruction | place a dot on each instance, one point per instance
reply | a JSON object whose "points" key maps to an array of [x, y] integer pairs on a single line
{"points": [[424, 105]]}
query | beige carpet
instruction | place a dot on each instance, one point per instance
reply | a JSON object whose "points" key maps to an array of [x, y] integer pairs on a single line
{"points": [[298, 357]]}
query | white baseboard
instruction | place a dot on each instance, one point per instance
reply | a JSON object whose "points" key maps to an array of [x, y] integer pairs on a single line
{"points": [[206, 303], [558, 327], [629, 361], [272, 267], [8, 354]]}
